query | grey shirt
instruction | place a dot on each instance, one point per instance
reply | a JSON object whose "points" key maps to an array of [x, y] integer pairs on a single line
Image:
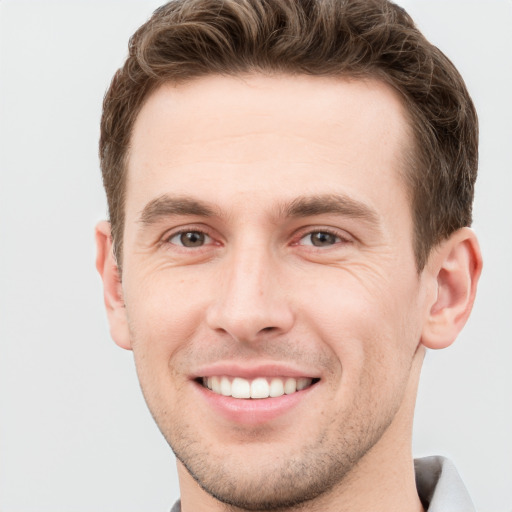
{"points": [[439, 487]]}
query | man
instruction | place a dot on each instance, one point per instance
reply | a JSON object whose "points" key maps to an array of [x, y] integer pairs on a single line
{"points": [[290, 187]]}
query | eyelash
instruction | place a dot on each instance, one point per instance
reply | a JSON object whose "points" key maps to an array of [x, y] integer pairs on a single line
{"points": [[167, 239], [341, 239]]}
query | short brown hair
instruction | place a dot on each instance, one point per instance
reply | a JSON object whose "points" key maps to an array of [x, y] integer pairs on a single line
{"points": [[187, 39]]}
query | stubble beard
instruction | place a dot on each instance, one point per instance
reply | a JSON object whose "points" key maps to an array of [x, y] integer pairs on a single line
{"points": [[288, 482], [290, 478]]}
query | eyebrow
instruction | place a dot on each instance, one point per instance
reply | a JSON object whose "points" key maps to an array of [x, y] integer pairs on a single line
{"points": [[304, 206], [166, 206], [337, 204]]}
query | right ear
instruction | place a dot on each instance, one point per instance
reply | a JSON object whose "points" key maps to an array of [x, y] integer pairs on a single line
{"points": [[112, 290]]}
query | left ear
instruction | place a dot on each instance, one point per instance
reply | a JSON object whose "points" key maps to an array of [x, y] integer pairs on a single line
{"points": [[454, 267]]}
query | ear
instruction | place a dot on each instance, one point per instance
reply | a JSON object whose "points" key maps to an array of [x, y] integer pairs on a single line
{"points": [[454, 268], [112, 290]]}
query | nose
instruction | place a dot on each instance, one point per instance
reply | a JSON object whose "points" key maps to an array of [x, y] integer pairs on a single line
{"points": [[250, 301]]}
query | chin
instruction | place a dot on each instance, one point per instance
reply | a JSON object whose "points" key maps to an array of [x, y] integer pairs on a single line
{"points": [[293, 487], [270, 480]]}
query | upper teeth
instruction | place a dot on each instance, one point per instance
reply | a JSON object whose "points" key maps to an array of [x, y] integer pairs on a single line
{"points": [[257, 388]]}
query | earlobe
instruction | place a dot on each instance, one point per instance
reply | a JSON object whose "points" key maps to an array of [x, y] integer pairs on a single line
{"points": [[112, 289], [454, 268]]}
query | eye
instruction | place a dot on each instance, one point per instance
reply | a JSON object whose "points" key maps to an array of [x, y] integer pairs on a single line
{"points": [[190, 239], [320, 239]]}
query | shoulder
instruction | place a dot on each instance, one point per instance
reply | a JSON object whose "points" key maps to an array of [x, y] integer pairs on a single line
{"points": [[176, 507], [440, 487]]}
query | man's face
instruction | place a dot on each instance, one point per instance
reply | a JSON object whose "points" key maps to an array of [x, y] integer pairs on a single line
{"points": [[268, 244]]}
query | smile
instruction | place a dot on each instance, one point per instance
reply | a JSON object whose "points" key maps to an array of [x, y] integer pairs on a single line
{"points": [[258, 388]]}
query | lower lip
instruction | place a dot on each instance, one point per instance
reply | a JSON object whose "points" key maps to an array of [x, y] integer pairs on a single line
{"points": [[252, 411]]}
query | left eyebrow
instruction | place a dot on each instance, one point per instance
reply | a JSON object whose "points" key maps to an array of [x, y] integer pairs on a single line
{"points": [[308, 206]]}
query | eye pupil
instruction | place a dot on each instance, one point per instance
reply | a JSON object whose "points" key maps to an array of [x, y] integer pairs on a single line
{"points": [[192, 239], [321, 239]]}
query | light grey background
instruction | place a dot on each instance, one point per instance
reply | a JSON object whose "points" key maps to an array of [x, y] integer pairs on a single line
{"points": [[75, 435]]}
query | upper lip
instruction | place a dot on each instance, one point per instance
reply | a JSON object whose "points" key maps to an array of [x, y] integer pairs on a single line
{"points": [[231, 369]]}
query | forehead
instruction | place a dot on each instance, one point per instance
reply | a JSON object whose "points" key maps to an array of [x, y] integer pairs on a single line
{"points": [[229, 137]]}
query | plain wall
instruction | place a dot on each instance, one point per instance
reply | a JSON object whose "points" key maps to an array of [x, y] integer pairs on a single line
{"points": [[75, 434]]}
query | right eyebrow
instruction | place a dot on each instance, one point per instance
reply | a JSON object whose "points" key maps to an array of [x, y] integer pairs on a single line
{"points": [[166, 205]]}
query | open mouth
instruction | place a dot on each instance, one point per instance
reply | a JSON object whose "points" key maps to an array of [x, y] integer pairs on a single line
{"points": [[258, 388]]}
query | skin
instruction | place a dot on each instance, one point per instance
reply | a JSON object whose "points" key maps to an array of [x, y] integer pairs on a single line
{"points": [[354, 312]]}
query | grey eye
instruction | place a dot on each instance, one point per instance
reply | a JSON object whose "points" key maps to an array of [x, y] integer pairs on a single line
{"points": [[320, 239], [190, 239]]}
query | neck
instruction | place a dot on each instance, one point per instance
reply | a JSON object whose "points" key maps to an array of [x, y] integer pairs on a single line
{"points": [[382, 480]]}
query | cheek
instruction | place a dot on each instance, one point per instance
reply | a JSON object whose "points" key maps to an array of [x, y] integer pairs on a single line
{"points": [[164, 312], [346, 303], [162, 319], [369, 322]]}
